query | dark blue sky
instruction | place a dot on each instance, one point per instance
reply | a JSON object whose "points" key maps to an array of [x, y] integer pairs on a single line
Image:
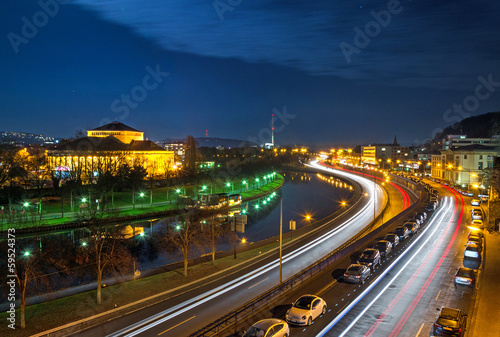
{"points": [[229, 67]]}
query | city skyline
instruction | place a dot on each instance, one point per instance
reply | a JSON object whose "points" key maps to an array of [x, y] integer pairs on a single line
{"points": [[354, 72]]}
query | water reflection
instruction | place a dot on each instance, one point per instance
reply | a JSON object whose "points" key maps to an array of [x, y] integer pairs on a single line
{"points": [[306, 198]]}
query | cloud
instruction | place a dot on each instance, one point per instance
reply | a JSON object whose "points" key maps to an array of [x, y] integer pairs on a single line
{"points": [[425, 45]]}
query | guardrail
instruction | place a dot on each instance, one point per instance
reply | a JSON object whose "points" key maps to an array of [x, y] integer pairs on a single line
{"points": [[234, 317]]}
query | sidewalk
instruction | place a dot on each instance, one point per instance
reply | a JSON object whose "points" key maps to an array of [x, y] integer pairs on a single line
{"points": [[485, 320]]}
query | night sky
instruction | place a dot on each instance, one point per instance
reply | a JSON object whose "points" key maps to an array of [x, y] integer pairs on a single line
{"points": [[347, 71]]}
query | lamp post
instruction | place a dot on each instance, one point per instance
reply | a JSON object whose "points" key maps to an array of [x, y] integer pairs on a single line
{"points": [[281, 241]]}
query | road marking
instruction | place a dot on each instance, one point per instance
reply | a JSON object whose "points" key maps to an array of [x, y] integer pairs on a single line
{"points": [[325, 288], [449, 269], [418, 333], [437, 296], [343, 308], [175, 326], [258, 283]]}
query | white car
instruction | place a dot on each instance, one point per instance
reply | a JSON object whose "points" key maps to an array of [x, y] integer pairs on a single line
{"points": [[268, 327], [475, 202], [306, 309], [472, 250]]}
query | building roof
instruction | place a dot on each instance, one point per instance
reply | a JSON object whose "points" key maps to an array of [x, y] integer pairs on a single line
{"points": [[145, 145], [115, 126], [104, 144], [475, 147]]}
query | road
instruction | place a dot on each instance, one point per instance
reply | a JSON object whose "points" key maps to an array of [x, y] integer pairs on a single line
{"points": [[403, 296], [192, 309]]}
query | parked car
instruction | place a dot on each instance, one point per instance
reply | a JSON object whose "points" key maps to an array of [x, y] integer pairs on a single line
{"points": [[370, 258], [419, 217], [477, 215], [435, 200], [269, 327], [430, 207], [392, 238], [402, 232], [306, 309], [472, 250], [475, 239], [477, 224], [476, 233], [412, 227], [423, 214], [465, 276], [356, 273], [384, 247], [475, 202], [450, 322]]}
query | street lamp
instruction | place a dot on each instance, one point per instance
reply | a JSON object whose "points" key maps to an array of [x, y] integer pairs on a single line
{"points": [[142, 198]]}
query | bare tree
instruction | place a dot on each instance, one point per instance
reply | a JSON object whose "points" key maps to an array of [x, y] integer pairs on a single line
{"points": [[212, 231], [105, 252], [185, 235], [35, 268]]}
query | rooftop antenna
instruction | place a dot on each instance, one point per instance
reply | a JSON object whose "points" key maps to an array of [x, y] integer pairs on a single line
{"points": [[272, 130]]}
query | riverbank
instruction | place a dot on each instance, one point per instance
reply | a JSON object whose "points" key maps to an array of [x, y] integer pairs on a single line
{"points": [[164, 209], [51, 314]]}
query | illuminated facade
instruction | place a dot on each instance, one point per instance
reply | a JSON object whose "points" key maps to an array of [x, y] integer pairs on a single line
{"points": [[109, 147]]}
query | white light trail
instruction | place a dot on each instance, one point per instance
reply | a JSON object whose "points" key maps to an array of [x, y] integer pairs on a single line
{"points": [[364, 293], [363, 215]]}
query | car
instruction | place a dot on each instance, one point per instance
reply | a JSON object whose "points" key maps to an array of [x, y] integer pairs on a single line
{"points": [[305, 310], [477, 215], [412, 227], [475, 239], [477, 224], [357, 273], [423, 215], [269, 327], [402, 232], [417, 219], [475, 202], [475, 233], [450, 322], [392, 238], [435, 200], [413, 220], [384, 247], [472, 250], [430, 207], [370, 258], [465, 276]]}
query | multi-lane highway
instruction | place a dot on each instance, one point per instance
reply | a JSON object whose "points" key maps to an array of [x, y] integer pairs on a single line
{"points": [[403, 295], [190, 309]]}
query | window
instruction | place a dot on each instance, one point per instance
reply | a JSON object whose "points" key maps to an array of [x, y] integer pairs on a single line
{"points": [[480, 157], [480, 165], [465, 156]]}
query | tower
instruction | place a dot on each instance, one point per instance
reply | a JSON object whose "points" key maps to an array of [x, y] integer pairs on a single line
{"points": [[272, 130]]}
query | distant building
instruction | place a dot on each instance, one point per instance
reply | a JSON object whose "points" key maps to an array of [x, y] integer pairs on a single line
{"points": [[179, 147], [106, 148], [463, 165], [456, 141]]}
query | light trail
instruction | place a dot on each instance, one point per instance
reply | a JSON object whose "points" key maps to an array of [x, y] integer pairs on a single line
{"points": [[150, 322], [440, 214], [422, 291], [411, 280], [405, 196]]}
